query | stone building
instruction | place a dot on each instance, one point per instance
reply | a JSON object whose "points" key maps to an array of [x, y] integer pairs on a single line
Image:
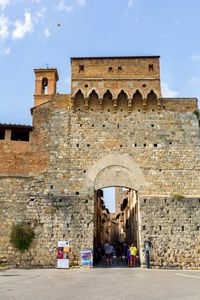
{"points": [[119, 196], [128, 217], [114, 129], [101, 220]]}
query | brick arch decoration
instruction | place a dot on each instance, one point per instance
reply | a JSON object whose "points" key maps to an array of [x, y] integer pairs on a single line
{"points": [[116, 170]]}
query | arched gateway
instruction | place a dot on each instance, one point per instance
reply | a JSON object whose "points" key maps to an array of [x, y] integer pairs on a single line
{"points": [[119, 171]]}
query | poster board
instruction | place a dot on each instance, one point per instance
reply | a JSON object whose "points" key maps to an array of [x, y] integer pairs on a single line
{"points": [[63, 250], [87, 258]]}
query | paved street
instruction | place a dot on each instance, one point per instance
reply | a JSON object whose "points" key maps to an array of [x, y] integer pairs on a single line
{"points": [[100, 283]]}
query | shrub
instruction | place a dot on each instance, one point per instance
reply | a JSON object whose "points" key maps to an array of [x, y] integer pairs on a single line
{"points": [[21, 236], [177, 196]]}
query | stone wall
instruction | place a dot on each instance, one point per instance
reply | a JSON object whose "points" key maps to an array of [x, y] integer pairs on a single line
{"points": [[45, 181], [53, 218], [155, 142], [164, 146], [173, 227], [180, 104]]}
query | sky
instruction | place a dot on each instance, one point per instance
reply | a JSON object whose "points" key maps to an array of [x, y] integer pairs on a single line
{"points": [[31, 38], [109, 198]]}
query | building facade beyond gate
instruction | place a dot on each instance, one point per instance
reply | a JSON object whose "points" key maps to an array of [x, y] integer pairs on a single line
{"points": [[113, 129]]}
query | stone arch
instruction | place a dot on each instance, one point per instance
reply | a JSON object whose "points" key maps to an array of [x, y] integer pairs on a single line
{"points": [[93, 101], [152, 101], [79, 104], [45, 84], [107, 101], [137, 101], [87, 95], [122, 101], [115, 170], [78, 90]]}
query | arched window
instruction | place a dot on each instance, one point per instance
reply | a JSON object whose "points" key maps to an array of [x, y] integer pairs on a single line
{"points": [[44, 86], [152, 102], [137, 102], [79, 104], [122, 101], [107, 101], [93, 102]]}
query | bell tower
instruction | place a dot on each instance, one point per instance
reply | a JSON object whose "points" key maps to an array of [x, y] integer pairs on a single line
{"points": [[45, 85]]}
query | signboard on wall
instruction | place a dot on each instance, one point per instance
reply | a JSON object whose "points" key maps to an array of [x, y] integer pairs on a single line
{"points": [[87, 258], [63, 254]]}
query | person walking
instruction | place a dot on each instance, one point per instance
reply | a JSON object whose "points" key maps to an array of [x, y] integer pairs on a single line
{"points": [[133, 252], [108, 253], [118, 252]]}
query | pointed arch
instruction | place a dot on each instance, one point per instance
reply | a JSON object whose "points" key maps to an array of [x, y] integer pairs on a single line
{"points": [[79, 104], [122, 101], [87, 94], [107, 101], [93, 102], [137, 101], [152, 101]]}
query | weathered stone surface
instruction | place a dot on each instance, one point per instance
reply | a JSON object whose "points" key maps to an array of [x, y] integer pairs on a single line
{"points": [[173, 228], [50, 180]]}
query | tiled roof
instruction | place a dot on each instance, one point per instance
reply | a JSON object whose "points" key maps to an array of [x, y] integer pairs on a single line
{"points": [[18, 126]]}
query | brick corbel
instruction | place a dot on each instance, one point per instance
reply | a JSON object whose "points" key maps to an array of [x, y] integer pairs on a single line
{"points": [[144, 103], [130, 105], [115, 104], [86, 104]]}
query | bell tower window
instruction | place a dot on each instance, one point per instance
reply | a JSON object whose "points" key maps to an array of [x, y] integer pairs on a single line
{"points": [[45, 86]]}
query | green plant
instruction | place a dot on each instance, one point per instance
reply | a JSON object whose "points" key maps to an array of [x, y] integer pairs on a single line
{"points": [[177, 196], [21, 236]]}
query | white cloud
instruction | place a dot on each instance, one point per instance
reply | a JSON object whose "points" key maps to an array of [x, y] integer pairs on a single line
{"points": [[167, 91], [196, 57], [4, 33], [40, 14], [68, 6], [22, 28], [4, 3], [131, 3], [47, 32], [5, 51], [194, 81], [80, 2], [62, 6]]}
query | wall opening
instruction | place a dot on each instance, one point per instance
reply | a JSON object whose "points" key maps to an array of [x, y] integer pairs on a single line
{"points": [[19, 135], [151, 102], [116, 224], [79, 104], [122, 173], [107, 101], [137, 101], [44, 86], [2, 134], [122, 101], [93, 102]]}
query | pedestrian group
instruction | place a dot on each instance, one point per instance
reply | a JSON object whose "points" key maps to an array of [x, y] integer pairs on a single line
{"points": [[130, 252]]}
